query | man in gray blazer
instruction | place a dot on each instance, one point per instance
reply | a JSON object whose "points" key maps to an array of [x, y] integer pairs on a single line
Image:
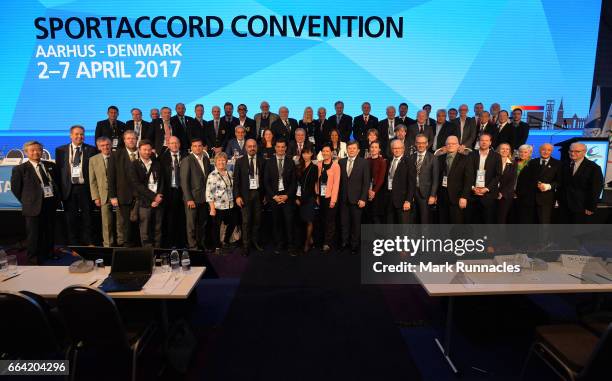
{"points": [[466, 129], [427, 173], [263, 119], [195, 169], [98, 187], [421, 127]]}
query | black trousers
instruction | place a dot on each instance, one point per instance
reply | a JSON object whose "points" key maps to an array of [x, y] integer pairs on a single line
{"points": [[570, 217], [282, 216], [40, 231], [328, 221], [504, 206], [77, 208], [447, 212], [228, 217], [481, 211], [173, 232], [350, 220], [544, 213], [422, 210], [397, 215], [251, 217]]}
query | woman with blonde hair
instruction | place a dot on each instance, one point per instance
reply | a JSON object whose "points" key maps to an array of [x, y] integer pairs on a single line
{"points": [[309, 124]]}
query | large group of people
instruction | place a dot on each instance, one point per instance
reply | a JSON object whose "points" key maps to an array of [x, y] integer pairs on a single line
{"points": [[182, 181]]}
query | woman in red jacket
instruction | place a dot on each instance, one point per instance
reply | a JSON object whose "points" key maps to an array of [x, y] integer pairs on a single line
{"points": [[327, 188], [378, 168]]}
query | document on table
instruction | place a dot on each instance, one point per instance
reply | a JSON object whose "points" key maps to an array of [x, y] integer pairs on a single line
{"points": [[162, 283]]}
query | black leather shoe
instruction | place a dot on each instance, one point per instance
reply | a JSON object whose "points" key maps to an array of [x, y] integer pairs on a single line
{"points": [[257, 247]]}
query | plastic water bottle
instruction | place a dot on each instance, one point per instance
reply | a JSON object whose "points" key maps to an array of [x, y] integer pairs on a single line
{"points": [[174, 261], [185, 261]]}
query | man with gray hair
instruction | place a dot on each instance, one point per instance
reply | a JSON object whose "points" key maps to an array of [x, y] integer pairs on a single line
{"points": [[142, 128], [284, 127], [421, 127], [98, 187], [217, 134], [264, 119]]}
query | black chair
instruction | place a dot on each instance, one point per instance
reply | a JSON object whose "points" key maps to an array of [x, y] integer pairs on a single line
{"points": [[97, 333], [26, 330], [573, 352]]}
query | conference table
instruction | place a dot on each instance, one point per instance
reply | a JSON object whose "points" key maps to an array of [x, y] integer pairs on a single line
{"points": [[554, 280], [49, 281]]}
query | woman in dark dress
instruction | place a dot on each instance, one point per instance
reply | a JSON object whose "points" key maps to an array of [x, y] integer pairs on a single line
{"points": [[267, 144], [506, 183], [309, 124], [307, 174], [378, 169]]}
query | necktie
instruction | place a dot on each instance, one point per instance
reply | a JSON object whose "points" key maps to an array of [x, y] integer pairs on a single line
{"points": [[365, 119], [132, 156], [420, 128], [338, 118], [299, 149], [182, 121], [280, 167], [137, 129], [349, 168], [449, 163], [251, 167], [393, 167], [391, 129], [114, 129], [175, 169], [216, 127], [419, 164], [43, 174], [573, 167], [240, 143], [105, 161], [543, 162], [76, 161]]}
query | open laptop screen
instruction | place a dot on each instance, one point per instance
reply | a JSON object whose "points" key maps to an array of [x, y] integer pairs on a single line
{"points": [[136, 260]]}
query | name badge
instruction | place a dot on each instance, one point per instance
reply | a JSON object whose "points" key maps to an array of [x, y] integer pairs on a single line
{"points": [[311, 139], [390, 184], [480, 178], [281, 186], [76, 172], [444, 181], [153, 187], [323, 189], [299, 191], [115, 142], [47, 191], [253, 183]]}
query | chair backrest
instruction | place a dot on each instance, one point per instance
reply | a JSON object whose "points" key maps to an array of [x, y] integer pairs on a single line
{"points": [[92, 319], [599, 366], [26, 331]]}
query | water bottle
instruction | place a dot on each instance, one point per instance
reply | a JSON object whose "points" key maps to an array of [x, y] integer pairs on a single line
{"points": [[174, 260], [185, 261], [3, 261]]}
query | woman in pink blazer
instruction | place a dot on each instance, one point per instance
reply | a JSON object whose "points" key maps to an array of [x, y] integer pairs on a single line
{"points": [[327, 188]]}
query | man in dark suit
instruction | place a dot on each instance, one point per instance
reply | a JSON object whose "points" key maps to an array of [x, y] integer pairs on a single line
{"points": [[173, 227], [217, 134], [263, 119], [35, 184], [443, 129], [420, 127], [246, 122], [478, 110], [484, 126], [354, 185], [284, 127], [149, 184], [486, 167], [342, 122], [362, 123], [280, 185], [182, 120], [197, 128], [428, 121], [581, 184], [427, 173], [194, 171], [505, 131], [167, 126], [455, 183], [236, 146], [248, 191], [401, 185], [229, 120], [142, 128], [120, 190], [322, 129], [111, 127], [521, 129], [466, 129], [72, 162], [386, 128], [400, 135], [537, 188], [296, 146], [403, 117]]}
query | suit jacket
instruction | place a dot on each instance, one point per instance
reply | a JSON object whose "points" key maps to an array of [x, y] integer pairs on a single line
{"points": [[413, 131], [534, 173], [459, 179], [322, 133], [146, 132], [219, 139], [280, 130], [521, 134], [360, 129], [355, 187], [489, 128], [241, 176], [159, 135], [62, 160], [404, 182], [103, 128], [447, 129], [249, 128], [98, 178], [140, 181], [505, 135], [271, 176], [196, 130], [166, 169], [580, 191], [344, 127], [507, 181], [119, 186], [389, 155], [292, 149], [233, 145], [383, 133], [469, 131], [27, 187], [189, 121], [492, 168], [428, 176], [193, 180], [406, 121], [272, 118]]}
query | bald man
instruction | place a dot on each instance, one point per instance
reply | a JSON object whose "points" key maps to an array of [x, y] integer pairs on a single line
{"points": [[581, 184], [456, 179]]}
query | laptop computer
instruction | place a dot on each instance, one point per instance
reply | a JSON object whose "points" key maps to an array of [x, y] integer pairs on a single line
{"points": [[130, 270]]}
